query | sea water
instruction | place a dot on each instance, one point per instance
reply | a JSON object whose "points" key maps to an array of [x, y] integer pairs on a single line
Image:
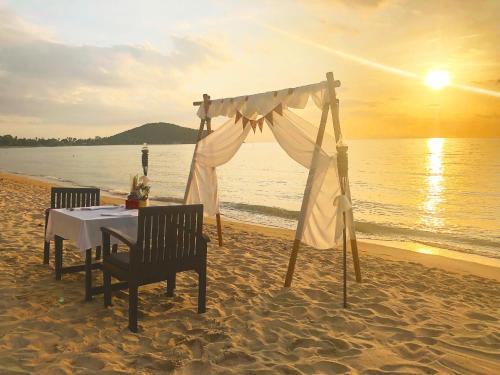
{"points": [[442, 192]]}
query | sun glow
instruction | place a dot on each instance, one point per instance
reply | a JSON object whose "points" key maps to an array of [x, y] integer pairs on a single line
{"points": [[434, 181], [437, 79]]}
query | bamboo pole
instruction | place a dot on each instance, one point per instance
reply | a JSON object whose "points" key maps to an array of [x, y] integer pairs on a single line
{"points": [[336, 127], [305, 199], [206, 97], [217, 215], [344, 261], [208, 122]]}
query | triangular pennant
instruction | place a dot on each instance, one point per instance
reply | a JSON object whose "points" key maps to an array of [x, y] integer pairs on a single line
{"points": [[269, 117], [253, 123], [237, 118], [245, 122], [279, 109], [260, 122]]}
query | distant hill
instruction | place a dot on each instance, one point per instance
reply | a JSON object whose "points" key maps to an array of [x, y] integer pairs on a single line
{"points": [[159, 133]]}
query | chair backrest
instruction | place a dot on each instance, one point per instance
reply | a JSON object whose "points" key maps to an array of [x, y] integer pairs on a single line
{"points": [[168, 235], [61, 197]]}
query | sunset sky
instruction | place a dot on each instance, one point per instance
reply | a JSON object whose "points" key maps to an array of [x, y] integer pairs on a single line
{"points": [[86, 68]]}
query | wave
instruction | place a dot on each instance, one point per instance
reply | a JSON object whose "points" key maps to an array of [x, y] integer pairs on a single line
{"points": [[262, 210], [469, 244]]}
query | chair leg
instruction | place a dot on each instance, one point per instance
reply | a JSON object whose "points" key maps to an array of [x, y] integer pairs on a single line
{"points": [[98, 253], [107, 287], [46, 245], [171, 285], [202, 290], [46, 252], [132, 305], [58, 256]]}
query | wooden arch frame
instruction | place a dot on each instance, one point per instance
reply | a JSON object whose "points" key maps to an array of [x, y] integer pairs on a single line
{"points": [[333, 107]]}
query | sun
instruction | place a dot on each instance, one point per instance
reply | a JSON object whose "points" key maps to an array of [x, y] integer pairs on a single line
{"points": [[437, 79]]}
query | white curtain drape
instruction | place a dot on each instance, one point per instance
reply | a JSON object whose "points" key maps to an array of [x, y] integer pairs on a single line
{"points": [[215, 149], [320, 223]]}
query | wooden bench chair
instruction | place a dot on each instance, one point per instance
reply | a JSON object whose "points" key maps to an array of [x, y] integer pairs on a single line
{"points": [[65, 197], [170, 240]]}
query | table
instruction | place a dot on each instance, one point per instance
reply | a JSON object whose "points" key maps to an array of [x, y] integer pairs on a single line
{"points": [[83, 226]]}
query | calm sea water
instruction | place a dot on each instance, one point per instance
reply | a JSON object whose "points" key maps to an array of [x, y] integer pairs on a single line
{"points": [[441, 192]]}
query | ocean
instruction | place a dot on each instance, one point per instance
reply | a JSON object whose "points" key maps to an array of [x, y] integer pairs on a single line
{"points": [[442, 192]]}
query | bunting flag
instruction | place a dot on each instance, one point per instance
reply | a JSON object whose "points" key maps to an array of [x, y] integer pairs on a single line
{"points": [[253, 123], [238, 116], [258, 122]]}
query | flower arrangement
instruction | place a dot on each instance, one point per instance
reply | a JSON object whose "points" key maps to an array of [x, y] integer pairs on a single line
{"points": [[139, 192], [140, 187]]}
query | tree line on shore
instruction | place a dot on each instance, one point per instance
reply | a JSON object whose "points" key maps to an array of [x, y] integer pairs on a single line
{"points": [[9, 140]]}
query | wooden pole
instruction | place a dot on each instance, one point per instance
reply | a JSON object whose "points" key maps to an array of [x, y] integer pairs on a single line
{"points": [[344, 261], [217, 215], [305, 199], [219, 229], [200, 135], [336, 127], [208, 122]]}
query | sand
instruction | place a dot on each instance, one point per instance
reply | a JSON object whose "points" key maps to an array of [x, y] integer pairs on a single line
{"points": [[413, 313]]}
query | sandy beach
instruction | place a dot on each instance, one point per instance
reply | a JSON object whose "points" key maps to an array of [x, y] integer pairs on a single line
{"points": [[413, 313]]}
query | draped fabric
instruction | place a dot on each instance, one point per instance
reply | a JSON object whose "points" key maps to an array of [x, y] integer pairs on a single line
{"points": [[321, 214], [261, 104], [321, 220], [216, 149]]}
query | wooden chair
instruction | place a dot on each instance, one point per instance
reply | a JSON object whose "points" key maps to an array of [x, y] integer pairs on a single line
{"points": [[169, 240], [61, 197]]}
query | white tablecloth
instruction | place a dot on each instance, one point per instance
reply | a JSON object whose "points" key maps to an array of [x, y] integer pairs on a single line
{"points": [[83, 226]]}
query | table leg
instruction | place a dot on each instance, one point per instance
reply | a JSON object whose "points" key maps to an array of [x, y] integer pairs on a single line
{"points": [[58, 245], [88, 275]]}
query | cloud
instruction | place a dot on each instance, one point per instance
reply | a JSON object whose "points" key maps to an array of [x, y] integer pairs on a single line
{"points": [[90, 85], [14, 30]]}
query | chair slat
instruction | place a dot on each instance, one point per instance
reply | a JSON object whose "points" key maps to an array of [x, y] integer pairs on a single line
{"points": [[186, 234], [180, 235], [161, 238], [155, 228], [192, 237], [147, 240]]}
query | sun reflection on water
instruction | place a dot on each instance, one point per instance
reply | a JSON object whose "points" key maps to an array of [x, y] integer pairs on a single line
{"points": [[434, 181]]}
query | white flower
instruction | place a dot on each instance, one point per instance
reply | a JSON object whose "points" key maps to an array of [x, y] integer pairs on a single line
{"points": [[144, 180]]}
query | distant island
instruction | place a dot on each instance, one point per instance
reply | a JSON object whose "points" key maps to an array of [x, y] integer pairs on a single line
{"points": [[159, 133]]}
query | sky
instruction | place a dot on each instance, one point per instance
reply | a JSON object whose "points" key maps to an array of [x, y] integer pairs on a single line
{"points": [[94, 68]]}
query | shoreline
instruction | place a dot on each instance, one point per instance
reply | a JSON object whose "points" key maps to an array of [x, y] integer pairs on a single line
{"points": [[429, 256], [395, 231]]}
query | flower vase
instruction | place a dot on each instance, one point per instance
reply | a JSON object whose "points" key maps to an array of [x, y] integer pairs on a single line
{"points": [[143, 203]]}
